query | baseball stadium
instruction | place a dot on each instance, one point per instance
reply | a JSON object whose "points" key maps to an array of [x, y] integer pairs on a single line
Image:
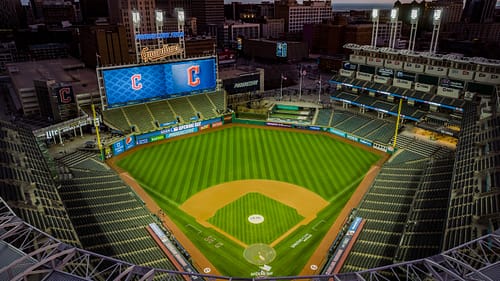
{"points": [[390, 173]]}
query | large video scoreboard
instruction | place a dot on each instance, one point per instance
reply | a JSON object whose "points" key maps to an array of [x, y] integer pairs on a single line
{"points": [[142, 83]]}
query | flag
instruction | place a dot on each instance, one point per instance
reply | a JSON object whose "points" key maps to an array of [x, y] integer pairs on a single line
{"points": [[283, 77]]}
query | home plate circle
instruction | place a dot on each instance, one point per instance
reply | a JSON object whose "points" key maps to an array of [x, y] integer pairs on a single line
{"points": [[256, 219], [259, 254]]}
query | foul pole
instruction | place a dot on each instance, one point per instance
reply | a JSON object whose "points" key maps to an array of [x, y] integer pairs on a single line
{"points": [[397, 123], [96, 125]]}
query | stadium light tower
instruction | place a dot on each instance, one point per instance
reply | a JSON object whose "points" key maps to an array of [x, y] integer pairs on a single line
{"points": [[394, 27], [375, 19], [136, 21], [413, 32], [159, 25], [436, 22], [180, 28]]}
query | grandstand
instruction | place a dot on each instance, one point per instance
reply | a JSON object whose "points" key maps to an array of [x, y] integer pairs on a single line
{"points": [[27, 183], [147, 117], [108, 217]]}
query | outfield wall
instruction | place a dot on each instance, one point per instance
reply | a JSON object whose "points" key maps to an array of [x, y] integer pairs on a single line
{"points": [[369, 143], [131, 141]]}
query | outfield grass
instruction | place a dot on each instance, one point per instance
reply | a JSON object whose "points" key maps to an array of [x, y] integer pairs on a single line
{"points": [[174, 171]]}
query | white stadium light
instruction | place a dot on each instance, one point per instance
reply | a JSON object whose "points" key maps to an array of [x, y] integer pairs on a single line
{"points": [[394, 14], [437, 14], [159, 15], [414, 14], [180, 15], [136, 17], [375, 14]]}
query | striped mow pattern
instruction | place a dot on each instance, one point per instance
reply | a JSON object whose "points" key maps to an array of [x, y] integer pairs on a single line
{"points": [[179, 169]]}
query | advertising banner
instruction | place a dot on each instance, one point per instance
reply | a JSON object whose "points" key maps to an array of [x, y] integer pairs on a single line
{"points": [[242, 84], [118, 147], [129, 142]]}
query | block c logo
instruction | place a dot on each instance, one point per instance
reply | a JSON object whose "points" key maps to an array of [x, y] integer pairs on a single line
{"points": [[134, 79], [65, 95], [191, 72]]}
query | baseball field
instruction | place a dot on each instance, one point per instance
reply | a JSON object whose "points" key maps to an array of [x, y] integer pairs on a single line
{"points": [[254, 201]]}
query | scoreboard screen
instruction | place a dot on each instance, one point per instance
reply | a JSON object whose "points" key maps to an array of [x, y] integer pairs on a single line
{"points": [[142, 83]]}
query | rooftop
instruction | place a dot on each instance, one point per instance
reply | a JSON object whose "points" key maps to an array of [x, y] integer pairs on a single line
{"points": [[66, 70]]}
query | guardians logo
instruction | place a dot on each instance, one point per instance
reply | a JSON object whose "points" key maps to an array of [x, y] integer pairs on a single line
{"points": [[158, 54]]}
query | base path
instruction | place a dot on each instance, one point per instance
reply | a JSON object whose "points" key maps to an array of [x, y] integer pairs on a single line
{"points": [[204, 204]]}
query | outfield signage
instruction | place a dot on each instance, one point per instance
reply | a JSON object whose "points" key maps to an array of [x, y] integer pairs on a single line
{"points": [[168, 124], [129, 142], [118, 147], [176, 131], [142, 83], [365, 142], [242, 84], [337, 132], [163, 35], [338, 258]]}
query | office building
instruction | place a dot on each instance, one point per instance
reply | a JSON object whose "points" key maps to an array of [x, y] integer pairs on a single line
{"points": [[296, 15]]}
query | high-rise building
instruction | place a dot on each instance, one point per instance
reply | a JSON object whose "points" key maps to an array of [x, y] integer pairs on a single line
{"points": [[296, 15], [479, 11], [107, 41], [121, 12], [209, 16]]}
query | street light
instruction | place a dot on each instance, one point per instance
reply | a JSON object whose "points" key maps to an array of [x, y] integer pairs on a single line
{"points": [[394, 27], [375, 20], [413, 32], [435, 30]]}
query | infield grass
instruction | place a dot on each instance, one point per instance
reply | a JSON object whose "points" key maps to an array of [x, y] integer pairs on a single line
{"points": [[174, 171]]}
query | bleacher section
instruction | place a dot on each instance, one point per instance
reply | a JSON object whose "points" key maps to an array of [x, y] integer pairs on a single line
{"points": [[423, 231], [474, 207], [218, 100], [27, 184], [162, 112], [116, 119], [108, 217], [183, 109], [203, 105], [410, 192], [369, 102], [144, 116], [385, 208], [373, 86], [140, 117], [324, 117]]}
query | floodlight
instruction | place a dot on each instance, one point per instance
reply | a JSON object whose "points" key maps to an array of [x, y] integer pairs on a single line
{"points": [[414, 14], [375, 14], [394, 14], [437, 14], [159, 15], [180, 15], [136, 17]]}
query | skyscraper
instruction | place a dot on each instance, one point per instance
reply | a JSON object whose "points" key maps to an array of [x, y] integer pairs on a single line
{"points": [[479, 11], [209, 15], [121, 12]]}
